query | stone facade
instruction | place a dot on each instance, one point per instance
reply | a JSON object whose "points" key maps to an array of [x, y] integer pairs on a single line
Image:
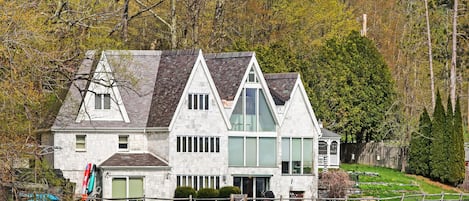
{"points": [[193, 147]]}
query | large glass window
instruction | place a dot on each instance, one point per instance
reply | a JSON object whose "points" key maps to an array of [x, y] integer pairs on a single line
{"points": [[297, 155], [236, 151], [252, 112], [252, 151], [267, 151], [127, 187], [252, 186]]}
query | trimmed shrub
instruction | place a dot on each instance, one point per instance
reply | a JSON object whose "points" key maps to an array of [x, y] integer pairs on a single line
{"points": [[226, 191], [207, 193], [184, 192]]}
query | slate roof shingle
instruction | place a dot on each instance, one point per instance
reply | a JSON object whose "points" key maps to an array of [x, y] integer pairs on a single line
{"points": [[281, 86], [133, 160]]}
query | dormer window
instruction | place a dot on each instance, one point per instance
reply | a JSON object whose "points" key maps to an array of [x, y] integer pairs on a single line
{"points": [[102, 101], [198, 101]]}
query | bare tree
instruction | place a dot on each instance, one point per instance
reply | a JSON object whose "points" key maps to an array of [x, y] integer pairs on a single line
{"points": [[453, 57], [430, 55]]}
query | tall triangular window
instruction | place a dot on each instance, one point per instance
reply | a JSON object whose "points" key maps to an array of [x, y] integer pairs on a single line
{"points": [[251, 112]]}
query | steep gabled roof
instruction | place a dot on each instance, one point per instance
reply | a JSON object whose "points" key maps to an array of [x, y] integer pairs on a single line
{"points": [[227, 71], [328, 133], [281, 86], [134, 72], [174, 70]]}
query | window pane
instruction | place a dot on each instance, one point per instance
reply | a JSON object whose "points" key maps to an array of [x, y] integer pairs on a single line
{"points": [[195, 101], [285, 155], [296, 156], [322, 147], [307, 156], [178, 144], [212, 144], [97, 101], [201, 144], [217, 144], [107, 101], [184, 143], [251, 115], [235, 151], [236, 119], [80, 142], [251, 151], [123, 142], [267, 151], [201, 102], [119, 189], [189, 143], [190, 101], [135, 187], [334, 148], [196, 144], [266, 120], [206, 144], [206, 101]]}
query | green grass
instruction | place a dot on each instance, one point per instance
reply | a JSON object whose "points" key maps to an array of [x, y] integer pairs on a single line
{"points": [[390, 183]]}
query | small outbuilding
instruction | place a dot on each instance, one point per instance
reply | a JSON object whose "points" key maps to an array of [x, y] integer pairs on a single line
{"points": [[329, 149]]}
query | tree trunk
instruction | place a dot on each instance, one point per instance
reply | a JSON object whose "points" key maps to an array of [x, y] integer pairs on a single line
{"points": [[173, 25], [217, 22], [430, 55], [125, 20], [453, 57]]}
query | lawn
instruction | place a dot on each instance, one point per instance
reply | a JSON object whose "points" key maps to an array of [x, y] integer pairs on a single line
{"points": [[389, 183]]}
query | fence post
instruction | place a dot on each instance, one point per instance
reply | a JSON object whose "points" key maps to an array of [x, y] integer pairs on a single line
{"points": [[281, 198], [403, 196], [190, 197], [460, 196], [423, 198], [442, 196]]}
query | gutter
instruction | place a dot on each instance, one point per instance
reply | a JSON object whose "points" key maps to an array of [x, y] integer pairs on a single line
{"points": [[111, 129]]}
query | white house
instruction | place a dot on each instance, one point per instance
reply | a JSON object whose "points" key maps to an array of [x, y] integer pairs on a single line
{"points": [[155, 120]]}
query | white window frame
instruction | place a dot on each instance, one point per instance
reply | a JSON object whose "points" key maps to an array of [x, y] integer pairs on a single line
{"points": [[257, 150], [198, 181], [290, 162], [77, 143], [102, 101], [126, 137], [195, 99], [197, 144], [127, 178]]}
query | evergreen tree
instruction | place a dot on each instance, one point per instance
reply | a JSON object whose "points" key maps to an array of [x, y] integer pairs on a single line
{"points": [[437, 151], [448, 142], [457, 151], [419, 153]]}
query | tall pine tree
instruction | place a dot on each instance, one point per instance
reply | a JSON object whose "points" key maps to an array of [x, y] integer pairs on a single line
{"points": [[457, 148], [419, 153], [437, 151], [448, 142]]}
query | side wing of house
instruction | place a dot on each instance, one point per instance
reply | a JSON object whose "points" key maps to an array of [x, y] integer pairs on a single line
{"points": [[299, 133]]}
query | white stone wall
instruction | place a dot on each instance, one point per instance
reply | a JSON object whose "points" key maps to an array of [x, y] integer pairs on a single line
{"points": [[155, 182], [99, 147], [199, 123], [298, 123]]}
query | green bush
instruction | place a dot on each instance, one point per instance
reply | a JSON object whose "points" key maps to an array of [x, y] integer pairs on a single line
{"points": [[226, 191], [184, 192], [207, 193]]}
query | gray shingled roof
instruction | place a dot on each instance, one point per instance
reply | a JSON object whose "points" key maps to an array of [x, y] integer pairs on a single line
{"points": [[329, 134], [281, 86], [134, 71], [175, 69], [227, 71], [133, 160]]}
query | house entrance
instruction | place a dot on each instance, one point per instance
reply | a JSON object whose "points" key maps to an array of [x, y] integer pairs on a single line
{"points": [[252, 186]]}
